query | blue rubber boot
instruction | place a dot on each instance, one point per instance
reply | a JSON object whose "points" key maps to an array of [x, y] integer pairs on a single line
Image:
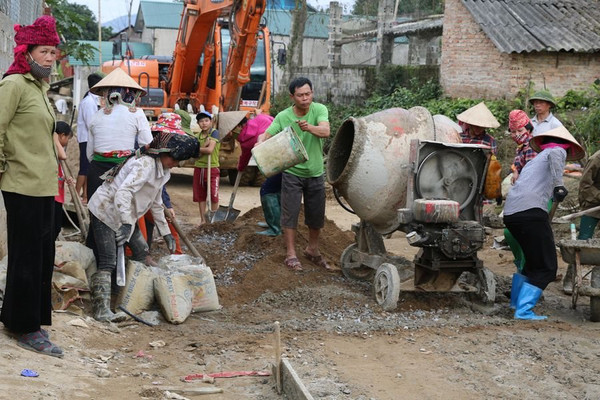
{"points": [[517, 282], [528, 297]]}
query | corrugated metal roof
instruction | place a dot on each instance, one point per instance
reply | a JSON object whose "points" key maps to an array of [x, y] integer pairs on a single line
{"points": [[139, 50], [516, 26]]}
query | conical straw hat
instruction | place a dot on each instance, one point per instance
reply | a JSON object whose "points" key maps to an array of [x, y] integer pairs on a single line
{"points": [[229, 120], [117, 78], [575, 152], [479, 115]]}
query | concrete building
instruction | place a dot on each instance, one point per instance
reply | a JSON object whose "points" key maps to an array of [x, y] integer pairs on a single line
{"points": [[492, 49]]}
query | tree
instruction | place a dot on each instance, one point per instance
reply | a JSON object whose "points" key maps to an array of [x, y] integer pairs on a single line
{"points": [[365, 7], [299, 18], [76, 22], [423, 7]]}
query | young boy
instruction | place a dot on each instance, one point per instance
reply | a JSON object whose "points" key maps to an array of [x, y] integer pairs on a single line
{"points": [[209, 147], [62, 134], [129, 191]]}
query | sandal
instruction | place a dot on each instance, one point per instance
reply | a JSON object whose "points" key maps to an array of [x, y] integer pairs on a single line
{"points": [[294, 264], [38, 342], [320, 261]]}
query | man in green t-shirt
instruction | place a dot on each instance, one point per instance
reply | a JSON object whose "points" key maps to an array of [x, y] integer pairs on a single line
{"points": [[310, 121]]}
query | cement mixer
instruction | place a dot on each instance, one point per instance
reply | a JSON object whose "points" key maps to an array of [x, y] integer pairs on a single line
{"points": [[406, 170]]}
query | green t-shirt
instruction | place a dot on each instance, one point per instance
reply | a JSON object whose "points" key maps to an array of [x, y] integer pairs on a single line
{"points": [[202, 161], [314, 145]]}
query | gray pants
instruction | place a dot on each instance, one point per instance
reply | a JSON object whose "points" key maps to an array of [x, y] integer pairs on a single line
{"points": [[106, 245], [293, 189]]}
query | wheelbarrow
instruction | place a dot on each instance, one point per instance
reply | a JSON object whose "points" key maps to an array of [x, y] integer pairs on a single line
{"points": [[578, 253], [228, 214]]}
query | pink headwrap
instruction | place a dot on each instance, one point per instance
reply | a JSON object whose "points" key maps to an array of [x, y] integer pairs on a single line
{"points": [[41, 33], [517, 119]]}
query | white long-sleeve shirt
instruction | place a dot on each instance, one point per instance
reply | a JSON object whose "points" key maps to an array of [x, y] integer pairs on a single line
{"points": [[88, 107], [117, 131], [136, 189]]}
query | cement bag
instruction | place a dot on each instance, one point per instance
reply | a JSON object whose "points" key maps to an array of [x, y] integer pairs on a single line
{"points": [[74, 251], [75, 271], [182, 289], [3, 264], [174, 295], [138, 293]]}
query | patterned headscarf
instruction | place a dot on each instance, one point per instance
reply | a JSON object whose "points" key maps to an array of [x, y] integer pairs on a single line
{"points": [[41, 33], [517, 119]]}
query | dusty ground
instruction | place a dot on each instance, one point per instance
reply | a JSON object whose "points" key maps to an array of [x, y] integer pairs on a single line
{"points": [[339, 341]]}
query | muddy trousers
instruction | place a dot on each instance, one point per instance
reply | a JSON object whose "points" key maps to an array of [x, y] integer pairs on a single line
{"points": [[532, 230], [106, 245], [30, 229]]}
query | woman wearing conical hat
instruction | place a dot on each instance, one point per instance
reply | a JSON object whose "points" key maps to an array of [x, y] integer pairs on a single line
{"points": [[474, 122], [118, 130], [526, 215]]}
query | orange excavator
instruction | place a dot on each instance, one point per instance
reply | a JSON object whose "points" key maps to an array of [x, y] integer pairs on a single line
{"points": [[221, 58]]}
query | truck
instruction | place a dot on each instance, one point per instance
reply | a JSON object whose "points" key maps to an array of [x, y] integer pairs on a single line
{"points": [[221, 59]]}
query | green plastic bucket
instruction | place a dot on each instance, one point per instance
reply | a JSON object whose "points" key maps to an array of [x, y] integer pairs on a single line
{"points": [[279, 153]]}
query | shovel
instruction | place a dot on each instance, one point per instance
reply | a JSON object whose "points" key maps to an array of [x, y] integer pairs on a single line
{"points": [[209, 214], [566, 218], [229, 214]]}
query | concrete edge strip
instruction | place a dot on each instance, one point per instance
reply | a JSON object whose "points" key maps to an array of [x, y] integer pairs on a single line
{"points": [[291, 383]]}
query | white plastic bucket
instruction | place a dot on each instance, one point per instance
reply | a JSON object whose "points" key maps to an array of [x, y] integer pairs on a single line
{"points": [[279, 153]]}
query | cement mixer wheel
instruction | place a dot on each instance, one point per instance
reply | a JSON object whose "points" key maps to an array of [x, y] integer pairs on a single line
{"points": [[387, 286], [354, 269], [486, 285]]}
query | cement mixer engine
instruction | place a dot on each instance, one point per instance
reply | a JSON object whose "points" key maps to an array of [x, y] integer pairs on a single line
{"points": [[404, 170]]}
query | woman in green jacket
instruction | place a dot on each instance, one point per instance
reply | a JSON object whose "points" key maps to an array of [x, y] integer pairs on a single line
{"points": [[29, 182]]}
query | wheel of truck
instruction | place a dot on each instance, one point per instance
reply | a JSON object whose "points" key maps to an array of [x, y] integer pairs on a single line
{"points": [[595, 300], [352, 268], [232, 174], [387, 286]]}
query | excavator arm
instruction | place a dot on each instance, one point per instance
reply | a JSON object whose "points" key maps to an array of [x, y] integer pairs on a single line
{"points": [[244, 27], [195, 38]]}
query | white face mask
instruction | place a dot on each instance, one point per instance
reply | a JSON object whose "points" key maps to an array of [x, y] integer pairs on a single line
{"points": [[37, 70]]}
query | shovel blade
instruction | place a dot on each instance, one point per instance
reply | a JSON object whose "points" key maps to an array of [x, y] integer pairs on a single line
{"points": [[225, 214], [220, 214], [232, 215]]}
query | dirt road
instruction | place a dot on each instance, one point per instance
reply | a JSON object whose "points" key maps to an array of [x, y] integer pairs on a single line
{"points": [[337, 338]]}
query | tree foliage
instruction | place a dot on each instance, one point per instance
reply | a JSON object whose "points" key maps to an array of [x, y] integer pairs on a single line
{"points": [[76, 22], [419, 7]]}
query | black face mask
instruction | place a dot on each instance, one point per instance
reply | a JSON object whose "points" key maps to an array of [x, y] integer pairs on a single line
{"points": [[37, 70]]}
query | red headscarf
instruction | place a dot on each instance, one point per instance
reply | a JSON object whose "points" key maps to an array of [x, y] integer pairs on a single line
{"points": [[517, 119], [41, 33]]}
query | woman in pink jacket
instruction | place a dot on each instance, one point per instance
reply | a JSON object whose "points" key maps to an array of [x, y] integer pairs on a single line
{"points": [[270, 191]]}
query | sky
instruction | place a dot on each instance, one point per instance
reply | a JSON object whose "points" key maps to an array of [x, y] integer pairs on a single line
{"points": [[111, 9]]}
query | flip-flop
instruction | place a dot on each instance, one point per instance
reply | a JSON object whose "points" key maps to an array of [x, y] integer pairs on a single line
{"points": [[36, 341], [320, 261], [294, 264]]}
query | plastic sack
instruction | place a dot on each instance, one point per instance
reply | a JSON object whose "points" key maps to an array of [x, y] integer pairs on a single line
{"points": [[493, 180]]}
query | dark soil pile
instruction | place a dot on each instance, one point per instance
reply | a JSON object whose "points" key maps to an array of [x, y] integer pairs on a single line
{"points": [[246, 264]]}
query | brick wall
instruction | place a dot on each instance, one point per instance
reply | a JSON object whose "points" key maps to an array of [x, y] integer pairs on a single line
{"points": [[472, 66]]}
